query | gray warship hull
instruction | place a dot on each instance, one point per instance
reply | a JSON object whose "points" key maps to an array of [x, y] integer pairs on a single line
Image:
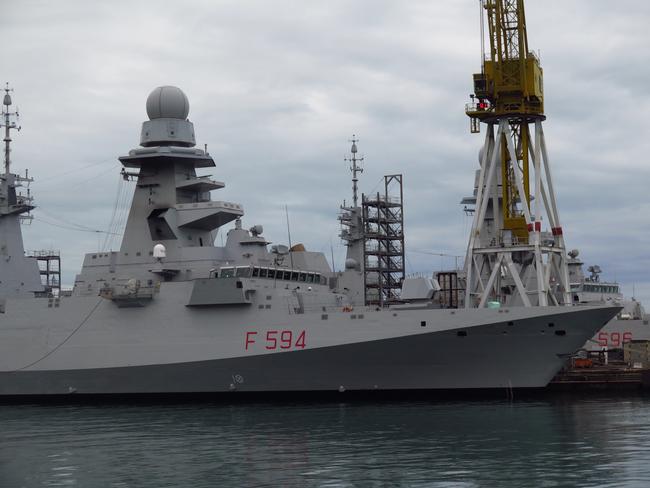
{"points": [[88, 345]]}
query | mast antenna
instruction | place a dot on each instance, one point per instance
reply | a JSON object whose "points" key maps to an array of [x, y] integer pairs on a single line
{"points": [[12, 200], [286, 211], [355, 167], [8, 125]]}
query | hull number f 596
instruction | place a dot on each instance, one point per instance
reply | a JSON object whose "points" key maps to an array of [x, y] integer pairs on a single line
{"points": [[613, 339], [275, 339]]}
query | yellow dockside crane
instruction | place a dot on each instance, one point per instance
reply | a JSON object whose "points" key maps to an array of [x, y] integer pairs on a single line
{"points": [[510, 258]]}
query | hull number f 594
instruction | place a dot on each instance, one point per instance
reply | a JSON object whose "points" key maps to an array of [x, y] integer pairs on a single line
{"points": [[275, 339]]}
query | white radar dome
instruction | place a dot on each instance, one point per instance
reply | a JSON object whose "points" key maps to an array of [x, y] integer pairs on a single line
{"points": [[167, 102], [159, 251]]}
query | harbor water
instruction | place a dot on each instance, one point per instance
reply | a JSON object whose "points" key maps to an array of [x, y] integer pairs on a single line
{"points": [[595, 441]]}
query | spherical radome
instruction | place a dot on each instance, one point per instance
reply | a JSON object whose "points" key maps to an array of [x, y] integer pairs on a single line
{"points": [[167, 102]]}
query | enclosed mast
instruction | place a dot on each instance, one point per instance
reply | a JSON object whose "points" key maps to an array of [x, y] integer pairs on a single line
{"points": [[352, 233]]}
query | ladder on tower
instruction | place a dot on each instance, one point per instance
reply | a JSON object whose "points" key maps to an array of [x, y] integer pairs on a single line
{"points": [[383, 224]]}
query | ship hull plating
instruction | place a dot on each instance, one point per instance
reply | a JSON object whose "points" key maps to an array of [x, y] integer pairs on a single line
{"points": [[382, 350]]}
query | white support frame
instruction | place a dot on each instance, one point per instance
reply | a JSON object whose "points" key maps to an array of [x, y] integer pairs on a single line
{"points": [[488, 258]]}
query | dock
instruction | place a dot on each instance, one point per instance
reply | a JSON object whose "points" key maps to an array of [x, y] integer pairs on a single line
{"points": [[601, 377]]}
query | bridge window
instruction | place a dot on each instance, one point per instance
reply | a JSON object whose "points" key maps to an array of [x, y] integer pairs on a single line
{"points": [[227, 272], [243, 271]]}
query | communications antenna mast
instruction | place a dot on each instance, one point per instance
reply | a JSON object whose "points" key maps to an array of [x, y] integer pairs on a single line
{"points": [[355, 168], [510, 258]]}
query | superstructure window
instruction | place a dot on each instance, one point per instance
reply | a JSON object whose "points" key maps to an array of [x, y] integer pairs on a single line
{"points": [[279, 274], [243, 271], [227, 272]]}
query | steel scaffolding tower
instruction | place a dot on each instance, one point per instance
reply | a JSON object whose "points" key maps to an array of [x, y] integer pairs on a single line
{"points": [[383, 224]]}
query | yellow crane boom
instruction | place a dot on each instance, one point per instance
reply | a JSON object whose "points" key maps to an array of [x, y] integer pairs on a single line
{"points": [[511, 80], [510, 85]]}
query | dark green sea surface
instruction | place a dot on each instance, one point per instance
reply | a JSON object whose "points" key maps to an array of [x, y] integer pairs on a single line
{"points": [[579, 441]]}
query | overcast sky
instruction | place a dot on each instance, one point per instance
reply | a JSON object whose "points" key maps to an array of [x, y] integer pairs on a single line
{"points": [[277, 88]]}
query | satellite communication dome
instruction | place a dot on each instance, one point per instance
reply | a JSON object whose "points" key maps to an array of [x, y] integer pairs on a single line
{"points": [[167, 102], [159, 251], [256, 230]]}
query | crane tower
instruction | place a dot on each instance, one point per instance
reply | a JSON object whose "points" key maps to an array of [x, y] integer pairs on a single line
{"points": [[516, 253]]}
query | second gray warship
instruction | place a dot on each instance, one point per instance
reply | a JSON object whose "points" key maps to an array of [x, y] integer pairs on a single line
{"points": [[170, 312], [630, 324]]}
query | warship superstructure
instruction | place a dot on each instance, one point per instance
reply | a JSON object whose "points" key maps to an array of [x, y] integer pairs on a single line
{"points": [[630, 324], [170, 312]]}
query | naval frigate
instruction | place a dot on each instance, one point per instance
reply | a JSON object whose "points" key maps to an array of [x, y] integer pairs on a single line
{"points": [[171, 312]]}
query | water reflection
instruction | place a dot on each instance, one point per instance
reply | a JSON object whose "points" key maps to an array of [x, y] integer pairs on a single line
{"points": [[585, 442]]}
